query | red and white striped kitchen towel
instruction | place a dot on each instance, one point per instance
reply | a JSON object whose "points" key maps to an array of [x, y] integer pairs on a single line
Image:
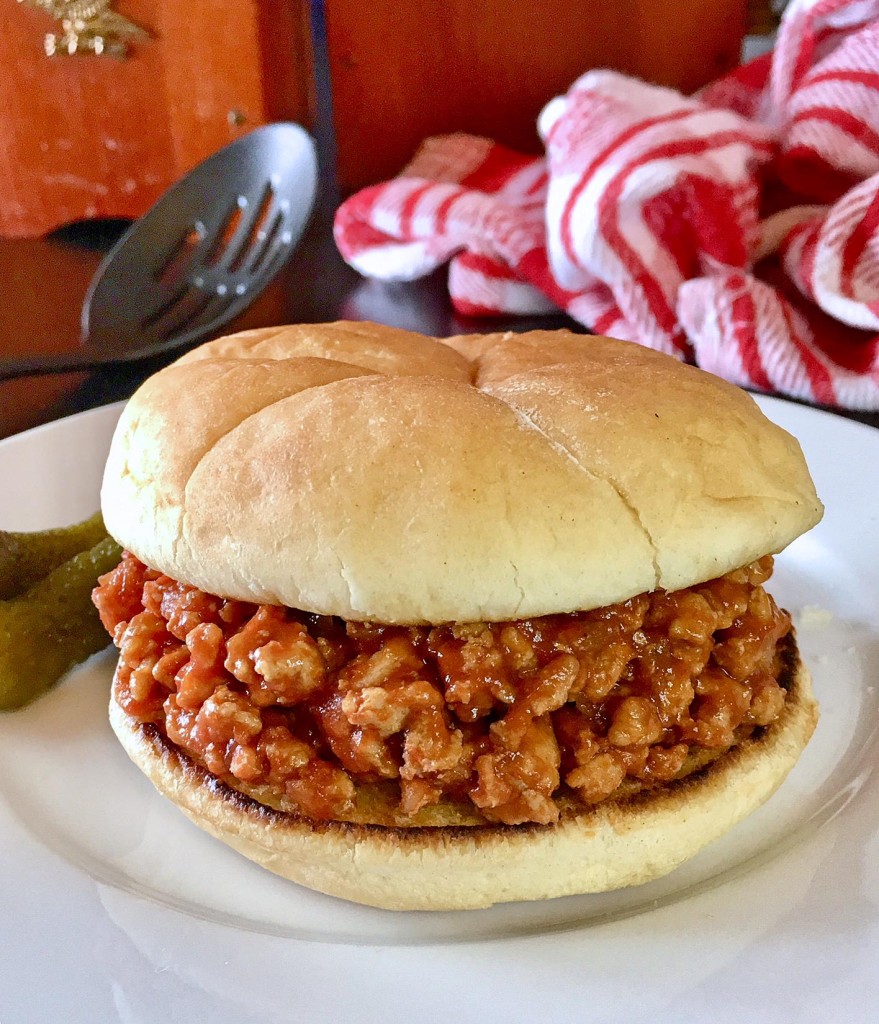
{"points": [[738, 228]]}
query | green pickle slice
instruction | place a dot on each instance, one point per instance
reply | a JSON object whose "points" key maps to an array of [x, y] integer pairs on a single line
{"points": [[53, 625], [26, 558]]}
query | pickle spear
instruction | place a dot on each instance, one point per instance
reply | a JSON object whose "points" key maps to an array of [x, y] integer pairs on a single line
{"points": [[52, 626], [25, 558]]}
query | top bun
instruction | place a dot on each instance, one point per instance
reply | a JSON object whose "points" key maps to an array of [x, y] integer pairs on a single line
{"points": [[377, 474]]}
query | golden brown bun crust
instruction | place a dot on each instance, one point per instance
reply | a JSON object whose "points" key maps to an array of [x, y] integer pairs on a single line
{"points": [[376, 474], [616, 844]]}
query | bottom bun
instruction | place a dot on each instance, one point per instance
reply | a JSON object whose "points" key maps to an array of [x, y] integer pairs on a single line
{"points": [[622, 842]]}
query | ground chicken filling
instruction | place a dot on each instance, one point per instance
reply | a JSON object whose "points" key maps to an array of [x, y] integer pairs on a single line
{"points": [[505, 716]]}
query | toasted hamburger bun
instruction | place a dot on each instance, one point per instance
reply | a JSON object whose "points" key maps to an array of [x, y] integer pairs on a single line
{"points": [[377, 475], [623, 841]]}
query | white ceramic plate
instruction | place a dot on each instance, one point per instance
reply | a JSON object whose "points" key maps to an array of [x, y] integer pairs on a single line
{"points": [[113, 907]]}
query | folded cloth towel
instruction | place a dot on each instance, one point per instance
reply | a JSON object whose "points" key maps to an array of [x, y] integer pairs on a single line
{"points": [[738, 228]]}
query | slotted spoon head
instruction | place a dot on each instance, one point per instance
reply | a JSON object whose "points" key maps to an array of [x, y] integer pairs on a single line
{"points": [[206, 249]]}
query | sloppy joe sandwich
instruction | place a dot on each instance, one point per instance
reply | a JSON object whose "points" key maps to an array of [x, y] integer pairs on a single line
{"points": [[438, 624]]}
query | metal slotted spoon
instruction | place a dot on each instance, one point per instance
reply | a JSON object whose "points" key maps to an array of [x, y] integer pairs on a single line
{"points": [[198, 257]]}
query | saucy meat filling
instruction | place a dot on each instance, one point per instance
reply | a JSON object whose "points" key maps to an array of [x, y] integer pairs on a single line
{"points": [[507, 716]]}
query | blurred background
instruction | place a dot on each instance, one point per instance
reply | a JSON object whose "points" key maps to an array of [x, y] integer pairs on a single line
{"points": [[103, 105], [88, 134]]}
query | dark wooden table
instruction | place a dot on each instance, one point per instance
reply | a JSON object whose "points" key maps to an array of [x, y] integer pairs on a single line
{"points": [[42, 283]]}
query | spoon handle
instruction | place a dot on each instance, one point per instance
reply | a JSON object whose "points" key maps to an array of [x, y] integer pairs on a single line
{"points": [[61, 362]]}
